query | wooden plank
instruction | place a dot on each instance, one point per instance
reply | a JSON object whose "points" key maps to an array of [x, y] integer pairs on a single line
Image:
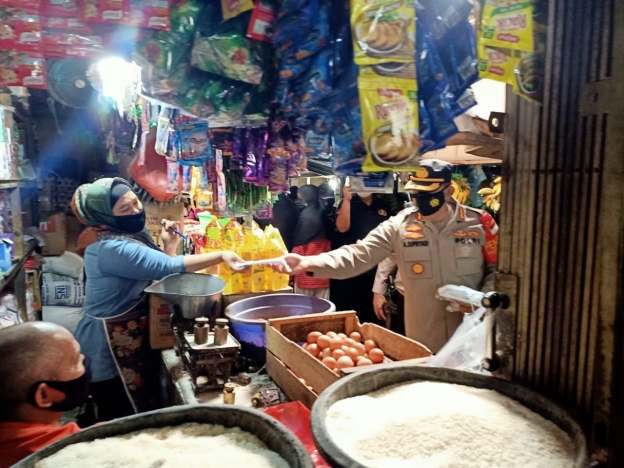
{"points": [[393, 344], [292, 387], [408, 362], [300, 361], [473, 139]]}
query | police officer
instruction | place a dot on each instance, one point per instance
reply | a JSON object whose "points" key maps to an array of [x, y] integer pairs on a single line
{"points": [[439, 242]]}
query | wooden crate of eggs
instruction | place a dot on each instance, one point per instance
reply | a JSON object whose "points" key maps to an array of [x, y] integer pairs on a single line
{"points": [[307, 354]]}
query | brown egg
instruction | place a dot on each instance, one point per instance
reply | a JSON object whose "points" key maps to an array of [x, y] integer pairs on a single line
{"points": [[369, 344], [345, 348], [327, 352], [314, 349], [353, 354], [313, 336], [323, 341], [360, 349], [305, 345], [376, 355], [331, 334], [344, 362], [355, 336], [337, 354], [364, 362], [343, 336], [335, 343], [337, 371], [329, 362], [349, 342]]}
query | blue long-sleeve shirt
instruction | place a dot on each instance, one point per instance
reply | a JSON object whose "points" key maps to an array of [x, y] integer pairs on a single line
{"points": [[117, 273]]}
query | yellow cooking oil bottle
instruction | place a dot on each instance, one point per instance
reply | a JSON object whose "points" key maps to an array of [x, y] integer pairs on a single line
{"points": [[229, 243], [214, 237], [247, 254], [257, 271]]}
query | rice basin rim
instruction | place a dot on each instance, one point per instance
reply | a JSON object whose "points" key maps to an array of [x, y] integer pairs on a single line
{"points": [[150, 288], [532, 400]]}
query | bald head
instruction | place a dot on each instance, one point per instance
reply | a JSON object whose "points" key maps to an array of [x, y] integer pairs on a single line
{"points": [[34, 352]]}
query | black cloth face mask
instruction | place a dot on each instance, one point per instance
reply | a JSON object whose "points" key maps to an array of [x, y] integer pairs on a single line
{"points": [[131, 223], [76, 391], [430, 203]]}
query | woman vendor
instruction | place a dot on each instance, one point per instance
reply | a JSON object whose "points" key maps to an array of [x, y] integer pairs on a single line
{"points": [[120, 261]]}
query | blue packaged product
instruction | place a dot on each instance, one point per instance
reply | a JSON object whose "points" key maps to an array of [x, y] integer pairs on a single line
{"points": [[316, 83], [291, 68], [295, 25], [444, 15], [308, 44], [195, 147], [288, 7], [463, 51]]}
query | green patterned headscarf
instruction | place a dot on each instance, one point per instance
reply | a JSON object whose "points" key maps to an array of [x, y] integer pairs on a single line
{"points": [[92, 202]]}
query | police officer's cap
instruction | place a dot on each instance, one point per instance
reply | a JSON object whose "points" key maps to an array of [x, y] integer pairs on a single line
{"points": [[432, 175]]}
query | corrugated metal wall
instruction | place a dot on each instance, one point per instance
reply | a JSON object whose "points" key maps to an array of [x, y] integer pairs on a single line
{"points": [[558, 167]]}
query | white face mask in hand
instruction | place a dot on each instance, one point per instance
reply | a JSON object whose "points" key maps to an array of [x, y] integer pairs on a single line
{"points": [[363, 194]]}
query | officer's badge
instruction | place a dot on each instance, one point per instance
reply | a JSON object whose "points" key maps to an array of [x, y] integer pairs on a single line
{"points": [[383, 213], [422, 173]]}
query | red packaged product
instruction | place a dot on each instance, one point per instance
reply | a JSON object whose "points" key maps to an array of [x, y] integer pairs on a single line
{"points": [[22, 69], [73, 24], [34, 4], [152, 14], [60, 8], [20, 29], [60, 44], [106, 11]]}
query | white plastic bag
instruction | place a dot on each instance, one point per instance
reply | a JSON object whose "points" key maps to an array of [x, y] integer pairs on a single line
{"points": [[467, 347], [68, 264]]}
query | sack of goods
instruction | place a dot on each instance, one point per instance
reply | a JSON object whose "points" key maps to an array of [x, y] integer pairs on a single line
{"points": [[58, 290]]}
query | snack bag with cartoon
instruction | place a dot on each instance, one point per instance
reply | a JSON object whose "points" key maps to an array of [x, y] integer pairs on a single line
{"points": [[20, 29], [389, 123], [508, 24], [383, 31], [59, 8], [106, 11], [152, 14], [22, 69]]}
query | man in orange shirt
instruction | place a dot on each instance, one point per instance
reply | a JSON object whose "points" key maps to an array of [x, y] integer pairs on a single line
{"points": [[42, 375]]}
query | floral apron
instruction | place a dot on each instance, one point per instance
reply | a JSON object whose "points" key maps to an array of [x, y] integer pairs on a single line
{"points": [[128, 341]]}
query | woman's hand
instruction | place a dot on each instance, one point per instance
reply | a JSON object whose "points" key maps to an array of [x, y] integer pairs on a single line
{"points": [[296, 263], [232, 260], [170, 240]]}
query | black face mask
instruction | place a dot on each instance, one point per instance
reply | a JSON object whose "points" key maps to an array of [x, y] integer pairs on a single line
{"points": [[131, 223], [430, 203], [76, 391]]}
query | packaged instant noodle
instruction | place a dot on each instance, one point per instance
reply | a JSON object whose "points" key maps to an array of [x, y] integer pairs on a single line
{"points": [[20, 29], [383, 31], [498, 64], [508, 24], [60, 8], [22, 69], [389, 123], [194, 143]]}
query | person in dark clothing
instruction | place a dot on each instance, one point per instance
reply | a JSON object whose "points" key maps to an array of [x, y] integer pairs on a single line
{"points": [[285, 216], [294, 197], [357, 216], [328, 200]]}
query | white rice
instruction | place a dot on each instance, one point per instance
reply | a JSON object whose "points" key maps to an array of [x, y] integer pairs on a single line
{"points": [[184, 446], [437, 425]]}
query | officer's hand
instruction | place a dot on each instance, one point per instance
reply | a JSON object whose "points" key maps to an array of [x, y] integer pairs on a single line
{"points": [[296, 263], [346, 193], [379, 305]]}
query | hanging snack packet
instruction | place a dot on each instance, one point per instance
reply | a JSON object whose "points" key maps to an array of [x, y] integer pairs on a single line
{"points": [[464, 57], [444, 15], [232, 8], [261, 23], [317, 82], [220, 190], [194, 143], [172, 177], [20, 29], [389, 124], [229, 54], [106, 11], [22, 69], [296, 25], [498, 64], [66, 23], [383, 31], [184, 17], [292, 68], [60, 8], [305, 46], [529, 72], [508, 25], [152, 14], [288, 7]]}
